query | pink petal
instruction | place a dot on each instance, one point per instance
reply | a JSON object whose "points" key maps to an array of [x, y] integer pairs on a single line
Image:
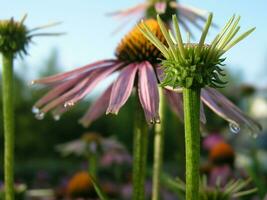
{"points": [[189, 11], [97, 108], [160, 7], [227, 110], [78, 71], [95, 78], [148, 92], [176, 103], [70, 97], [122, 89], [66, 96], [58, 90], [130, 11]]}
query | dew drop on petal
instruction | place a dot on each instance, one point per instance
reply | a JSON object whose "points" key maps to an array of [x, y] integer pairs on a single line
{"points": [[69, 104], [56, 117], [40, 115], [35, 110], [234, 128], [254, 135]]}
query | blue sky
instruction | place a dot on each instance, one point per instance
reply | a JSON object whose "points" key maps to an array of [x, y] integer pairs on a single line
{"points": [[89, 31]]}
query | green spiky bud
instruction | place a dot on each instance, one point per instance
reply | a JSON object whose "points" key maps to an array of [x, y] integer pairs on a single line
{"points": [[13, 37], [189, 65]]}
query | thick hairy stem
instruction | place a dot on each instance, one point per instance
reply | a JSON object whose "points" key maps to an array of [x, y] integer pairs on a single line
{"points": [[8, 116], [139, 154], [158, 149], [192, 141]]}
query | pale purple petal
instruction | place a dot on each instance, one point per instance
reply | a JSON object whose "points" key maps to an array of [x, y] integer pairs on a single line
{"points": [[85, 85], [95, 78], [97, 108], [130, 11], [66, 96], [227, 110], [211, 140], [75, 72], [122, 88], [193, 12], [160, 7], [58, 90], [176, 103], [148, 92], [202, 114]]}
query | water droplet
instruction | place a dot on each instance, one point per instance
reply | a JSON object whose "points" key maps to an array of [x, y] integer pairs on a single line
{"points": [[40, 115], [56, 117], [254, 135], [234, 128], [69, 104], [35, 110]]}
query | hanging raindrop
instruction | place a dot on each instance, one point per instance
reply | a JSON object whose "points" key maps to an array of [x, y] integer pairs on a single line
{"points": [[35, 110], [40, 115], [68, 104], [56, 117], [234, 127]]}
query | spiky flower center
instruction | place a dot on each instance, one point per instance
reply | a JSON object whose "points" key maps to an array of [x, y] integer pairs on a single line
{"points": [[135, 47], [13, 37], [197, 69]]}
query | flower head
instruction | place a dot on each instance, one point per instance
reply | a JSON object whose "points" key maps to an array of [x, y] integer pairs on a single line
{"points": [[15, 36], [166, 8], [80, 185], [222, 153], [136, 63], [233, 189]]}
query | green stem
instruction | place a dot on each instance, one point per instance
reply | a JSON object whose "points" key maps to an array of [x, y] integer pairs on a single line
{"points": [[158, 149], [139, 154], [8, 116], [192, 141], [92, 165]]}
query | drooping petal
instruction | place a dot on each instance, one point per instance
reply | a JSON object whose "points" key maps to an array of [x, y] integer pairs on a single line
{"points": [[175, 100], [122, 88], [148, 91], [95, 78], [58, 90], [97, 108], [65, 97], [189, 11], [70, 97], [227, 110], [75, 72], [130, 11]]}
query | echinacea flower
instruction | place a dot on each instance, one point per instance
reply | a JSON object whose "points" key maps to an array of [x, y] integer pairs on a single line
{"points": [[15, 36], [81, 186], [150, 8], [222, 153], [233, 189], [198, 65], [137, 63]]}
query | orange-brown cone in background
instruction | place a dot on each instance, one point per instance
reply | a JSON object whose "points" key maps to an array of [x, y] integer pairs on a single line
{"points": [[222, 154]]}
